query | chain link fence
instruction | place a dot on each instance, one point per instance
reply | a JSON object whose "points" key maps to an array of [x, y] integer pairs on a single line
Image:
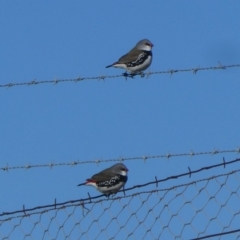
{"points": [[206, 208]]}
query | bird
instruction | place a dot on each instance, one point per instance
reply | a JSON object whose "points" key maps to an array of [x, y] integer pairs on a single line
{"points": [[110, 180], [136, 60]]}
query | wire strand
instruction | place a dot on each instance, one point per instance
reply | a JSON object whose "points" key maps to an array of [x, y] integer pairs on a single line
{"points": [[103, 77], [217, 234], [121, 159], [89, 199], [80, 202]]}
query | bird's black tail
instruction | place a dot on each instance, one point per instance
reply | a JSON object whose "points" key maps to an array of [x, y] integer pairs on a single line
{"points": [[109, 66]]}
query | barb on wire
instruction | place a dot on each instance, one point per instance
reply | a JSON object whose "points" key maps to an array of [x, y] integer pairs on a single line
{"points": [[121, 159], [200, 209], [90, 199], [102, 77], [83, 202]]}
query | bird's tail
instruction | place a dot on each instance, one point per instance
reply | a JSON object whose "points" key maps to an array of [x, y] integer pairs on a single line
{"points": [[81, 184], [109, 66]]}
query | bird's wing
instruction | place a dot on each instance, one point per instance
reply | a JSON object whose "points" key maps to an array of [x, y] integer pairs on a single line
{"points": [[104, 175], [130, 57]]}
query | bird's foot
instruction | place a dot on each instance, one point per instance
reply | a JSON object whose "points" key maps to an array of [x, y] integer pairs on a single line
{"points": [[110, 194], [113, 194], [142, 74], [131, 75]]}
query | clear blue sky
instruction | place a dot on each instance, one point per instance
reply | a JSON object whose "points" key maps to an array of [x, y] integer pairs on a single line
{"points": [[113, 118]]}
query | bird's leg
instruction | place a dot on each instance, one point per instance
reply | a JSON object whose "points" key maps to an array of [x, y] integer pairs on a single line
{"points": [[125, 75], [107, 195], [142, 74], [131, 75], [113, 194], [110, 194]]}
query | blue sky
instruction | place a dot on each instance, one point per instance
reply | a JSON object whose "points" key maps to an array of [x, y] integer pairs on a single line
{"points": [[113, 118]]}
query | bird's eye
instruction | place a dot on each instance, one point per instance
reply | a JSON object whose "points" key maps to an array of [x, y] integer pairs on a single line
{"points": [[123, 169], [147, 44]]}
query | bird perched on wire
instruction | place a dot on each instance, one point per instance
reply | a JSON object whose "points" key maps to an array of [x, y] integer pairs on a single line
{"points": [[110, 180], [136, 60]]}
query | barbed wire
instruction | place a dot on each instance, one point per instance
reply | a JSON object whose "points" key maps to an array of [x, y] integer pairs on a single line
{"points": [[121, 159], [90, 199], [83, 202], [201, 209], [103, 77]]}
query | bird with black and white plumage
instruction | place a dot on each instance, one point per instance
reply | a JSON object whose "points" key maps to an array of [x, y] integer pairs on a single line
{"points": [[110, 180], [136, 60]]}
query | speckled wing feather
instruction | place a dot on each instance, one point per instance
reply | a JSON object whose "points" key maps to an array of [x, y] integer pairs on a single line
{"points": [[130, 57], [113, 181]]}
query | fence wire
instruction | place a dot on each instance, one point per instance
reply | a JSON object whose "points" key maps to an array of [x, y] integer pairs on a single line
{"points": [[203, 209], [103, 77], [120, 159]]}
